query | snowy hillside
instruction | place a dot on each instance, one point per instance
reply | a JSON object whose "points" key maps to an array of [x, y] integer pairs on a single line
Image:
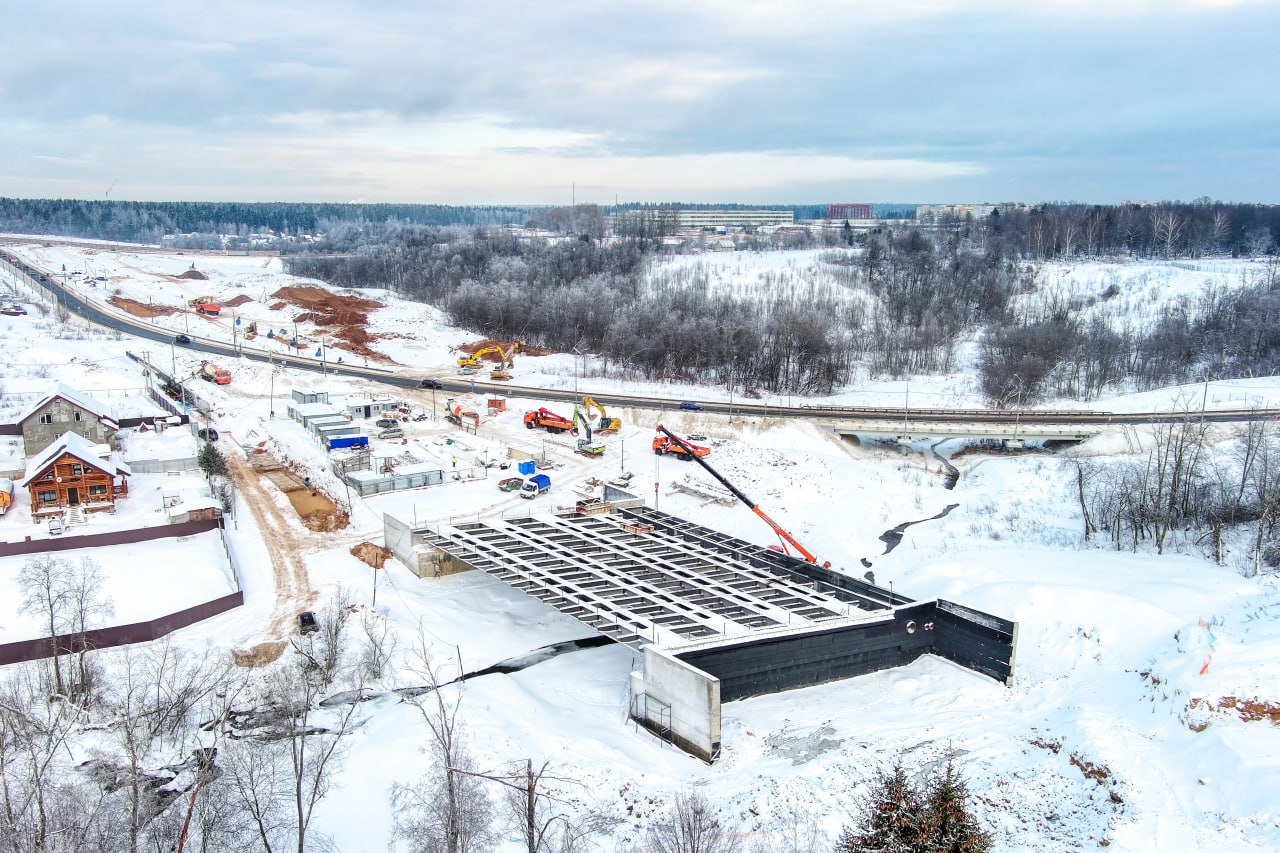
{"points": [[1145, 713]]}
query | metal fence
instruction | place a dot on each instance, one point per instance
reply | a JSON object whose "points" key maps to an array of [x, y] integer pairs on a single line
{"points": [[118, 635], [164, 466], [395, 482], [115, 537]]}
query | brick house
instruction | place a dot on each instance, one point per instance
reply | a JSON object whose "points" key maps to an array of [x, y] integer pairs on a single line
{"points": [[73, 472], [62, 411]]}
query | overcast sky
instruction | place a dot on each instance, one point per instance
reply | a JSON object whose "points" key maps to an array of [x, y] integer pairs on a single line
{"points": [[786, 101]]}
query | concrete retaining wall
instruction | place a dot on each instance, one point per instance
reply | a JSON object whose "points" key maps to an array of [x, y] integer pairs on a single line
{"points": [[769, 665], [679, 703], [973, 639]]}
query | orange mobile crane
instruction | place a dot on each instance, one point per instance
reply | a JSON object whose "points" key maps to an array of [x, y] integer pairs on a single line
{"points": [[786, 537]]}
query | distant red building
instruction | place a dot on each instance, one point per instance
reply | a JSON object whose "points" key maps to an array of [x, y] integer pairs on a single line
{"points": [[849, 211]]}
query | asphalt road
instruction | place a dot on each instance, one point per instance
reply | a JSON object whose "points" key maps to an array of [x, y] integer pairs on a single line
{"points": [[128, 324]]}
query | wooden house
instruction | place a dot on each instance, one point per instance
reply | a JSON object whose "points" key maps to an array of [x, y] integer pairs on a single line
{"points": [[74, 472]]}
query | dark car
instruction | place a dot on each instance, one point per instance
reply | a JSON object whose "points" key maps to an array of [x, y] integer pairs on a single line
{"points": [[691, 407], [387, 423], [208, 434], [307, 622], [182, 339], [430, 383]]}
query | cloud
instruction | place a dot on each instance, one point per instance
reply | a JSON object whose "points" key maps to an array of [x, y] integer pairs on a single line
{"points": [[943, 96]]}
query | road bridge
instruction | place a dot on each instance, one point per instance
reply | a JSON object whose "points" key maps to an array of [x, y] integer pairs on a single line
{"points": [[715, 618]]}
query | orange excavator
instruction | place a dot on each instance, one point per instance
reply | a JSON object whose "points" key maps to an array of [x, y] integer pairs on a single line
{"points": [[783, 535]]}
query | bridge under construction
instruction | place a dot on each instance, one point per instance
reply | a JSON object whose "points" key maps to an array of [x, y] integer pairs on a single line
{"points": [[715, 618]]}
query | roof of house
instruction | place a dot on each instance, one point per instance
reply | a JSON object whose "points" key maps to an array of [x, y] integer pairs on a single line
{"points": [[71, 395], [79, 447]]}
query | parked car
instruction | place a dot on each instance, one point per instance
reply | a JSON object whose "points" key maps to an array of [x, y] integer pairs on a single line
{"points": [[307, 622], [430, 383], [691, 407], [386, 423], [182, 339], [208, 434], [393, 432]]}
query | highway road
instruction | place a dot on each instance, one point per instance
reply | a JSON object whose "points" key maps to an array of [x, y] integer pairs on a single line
{"points": [[941, 419]]}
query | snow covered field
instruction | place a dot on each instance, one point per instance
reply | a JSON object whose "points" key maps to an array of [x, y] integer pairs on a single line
{"points": [[1117, 731]]}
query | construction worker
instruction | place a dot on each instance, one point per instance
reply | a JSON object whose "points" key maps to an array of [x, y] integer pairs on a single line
{"points": [[454, 459]]}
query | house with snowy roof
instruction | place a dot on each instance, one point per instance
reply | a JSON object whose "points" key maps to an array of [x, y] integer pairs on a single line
{"points": [[74, 472], [66, 410]]}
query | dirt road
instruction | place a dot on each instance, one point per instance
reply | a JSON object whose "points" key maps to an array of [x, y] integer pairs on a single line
{"points": [[293, 586]]}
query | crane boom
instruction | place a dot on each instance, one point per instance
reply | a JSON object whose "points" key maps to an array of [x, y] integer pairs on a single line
{"points": [[738, 493]]}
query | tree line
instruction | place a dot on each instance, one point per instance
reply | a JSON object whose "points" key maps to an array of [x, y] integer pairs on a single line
{"points": [[891, 302], [149, 221]]}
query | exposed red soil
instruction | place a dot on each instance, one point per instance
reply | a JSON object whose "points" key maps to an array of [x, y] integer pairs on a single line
{"points": [[344, 318], [138, 309], [525, 350], [1249, 710]]}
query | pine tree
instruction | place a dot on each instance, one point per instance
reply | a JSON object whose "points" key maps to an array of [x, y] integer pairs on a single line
{"points": [[211, 461], [898, 817], [946, 824], [892, 817]]}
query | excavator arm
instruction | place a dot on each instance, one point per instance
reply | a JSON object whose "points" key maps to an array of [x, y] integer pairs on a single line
{"points": [[786, 537]]}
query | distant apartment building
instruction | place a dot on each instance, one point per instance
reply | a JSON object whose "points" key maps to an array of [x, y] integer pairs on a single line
{"points": [[849, 211], [733, 218], [936, 212]]}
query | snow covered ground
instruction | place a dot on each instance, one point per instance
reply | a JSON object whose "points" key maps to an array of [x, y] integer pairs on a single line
{"points": [[1112, 733]]}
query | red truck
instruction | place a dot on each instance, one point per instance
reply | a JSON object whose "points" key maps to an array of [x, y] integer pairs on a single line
{"points": [[548, 420]]}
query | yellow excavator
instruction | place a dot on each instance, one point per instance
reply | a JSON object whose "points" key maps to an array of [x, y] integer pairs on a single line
{"points": [[502, 371], [606, 424], [473, 360]]}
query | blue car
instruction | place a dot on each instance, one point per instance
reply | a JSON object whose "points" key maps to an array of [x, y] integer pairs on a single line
{"points": [[691, 407]]}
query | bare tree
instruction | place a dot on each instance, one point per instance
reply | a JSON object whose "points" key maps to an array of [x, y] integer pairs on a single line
{"points": [[66, 597], [378, 646], [1172, 470], [1166, 229], [325, 648], [692, 827], [39, 810], [88, 609], [46, 595], [531, 806], [448, 810], [281, 780], [793, 830]]}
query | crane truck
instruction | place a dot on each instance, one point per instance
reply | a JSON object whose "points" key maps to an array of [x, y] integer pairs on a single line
{"points": [[546, 419], [785, 537], [681, 449]]}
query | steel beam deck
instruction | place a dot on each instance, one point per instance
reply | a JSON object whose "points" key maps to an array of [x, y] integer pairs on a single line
{"points": [[671, 584]]}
